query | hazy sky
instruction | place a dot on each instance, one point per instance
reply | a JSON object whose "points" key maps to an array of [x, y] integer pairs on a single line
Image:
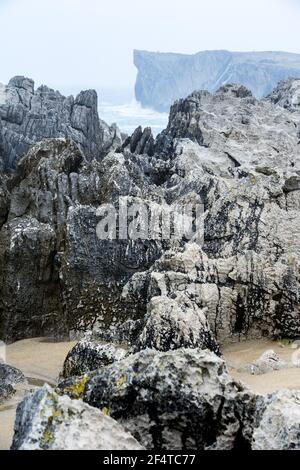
{"points": [[89, 43]]}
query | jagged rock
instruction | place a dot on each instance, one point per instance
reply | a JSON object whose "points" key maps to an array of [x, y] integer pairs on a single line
{"points": [[10, 377], [165, 77], [268, 362], [182, 399], [89, 355], [50, 250], [173, 324], [235, 154], [279, 418], [46, 421], [28, 116], [287, 94], [141, 142]]}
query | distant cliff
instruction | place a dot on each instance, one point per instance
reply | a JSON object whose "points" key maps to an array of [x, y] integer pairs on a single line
{"points": [[165, 77]]}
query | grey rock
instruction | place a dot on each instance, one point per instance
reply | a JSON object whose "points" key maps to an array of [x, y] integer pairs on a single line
{"points": [[10, 378], [165, 77], [279, 417], [173, 324], [287, 94], [28, 116], [47, 421], [89, 355], [182, 399], [236, 154]]}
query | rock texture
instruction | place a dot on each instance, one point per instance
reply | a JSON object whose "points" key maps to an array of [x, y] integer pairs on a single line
{"points": [[46, 421], [182, 399], [89, 355], [165, 77], [278, 417], [10, 377], [238, 277], [28, 116]]}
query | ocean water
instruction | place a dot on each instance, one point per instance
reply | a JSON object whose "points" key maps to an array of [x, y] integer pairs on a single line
{"points": [[121, 107]]}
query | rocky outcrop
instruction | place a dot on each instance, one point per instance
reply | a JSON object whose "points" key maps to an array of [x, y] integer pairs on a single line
{"points": [[50, 254], [165, 77], [10, 378], [182, 399], [239, 278], [28, 116], [46, 421], [287, 95], [173, 324]]}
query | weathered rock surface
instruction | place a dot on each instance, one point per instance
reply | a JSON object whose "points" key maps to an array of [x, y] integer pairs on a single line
{"points": [[165, 77], [28, 116], [46, 421], [279, 422], [50, 254], [182, 399], [10, 377], [287, 95], [173, 324], [89, 355]]}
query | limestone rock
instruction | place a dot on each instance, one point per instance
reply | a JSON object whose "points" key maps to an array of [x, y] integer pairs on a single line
{"points": [[172, 324], [46, 421], [182, 399], [279, 418]]}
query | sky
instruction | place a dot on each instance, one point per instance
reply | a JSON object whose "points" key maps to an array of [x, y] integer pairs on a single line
{"points": [[89, 43]]}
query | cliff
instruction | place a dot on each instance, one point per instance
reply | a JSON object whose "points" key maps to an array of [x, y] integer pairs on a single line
{"points": [[165, 77]]}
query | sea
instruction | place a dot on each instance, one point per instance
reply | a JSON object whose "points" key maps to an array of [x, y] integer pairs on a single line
{"points": [[121, 107]]}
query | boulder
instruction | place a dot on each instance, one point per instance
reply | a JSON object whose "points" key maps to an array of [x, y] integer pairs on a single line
{"points": [[46, 421], [181, 399], [279, 422], [10, 378], [89, 355]]}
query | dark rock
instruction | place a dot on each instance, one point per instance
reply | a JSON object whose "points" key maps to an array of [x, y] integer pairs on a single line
{"points": [[176, 400], [89, 355]]}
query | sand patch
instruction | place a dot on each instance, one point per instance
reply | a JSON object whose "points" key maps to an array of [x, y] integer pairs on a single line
{"points": [[239, 354], [41, 361]]}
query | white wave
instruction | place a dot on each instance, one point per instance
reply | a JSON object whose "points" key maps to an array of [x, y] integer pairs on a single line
{"points": [[131, 115]]}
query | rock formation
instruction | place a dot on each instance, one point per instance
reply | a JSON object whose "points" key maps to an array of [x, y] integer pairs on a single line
{"points": [[28, 116], [165, 77], [159, 307]]}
